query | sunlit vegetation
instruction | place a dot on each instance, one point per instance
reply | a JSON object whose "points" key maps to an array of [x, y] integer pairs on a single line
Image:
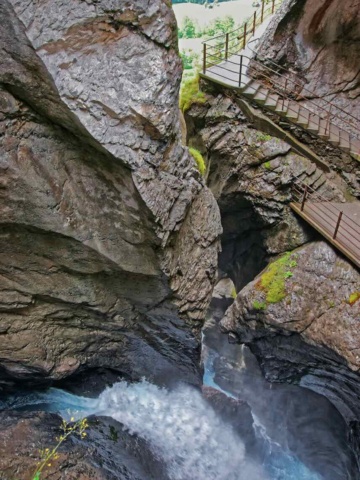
{"points": [[354, 297], [190, 93], [199, 160]]}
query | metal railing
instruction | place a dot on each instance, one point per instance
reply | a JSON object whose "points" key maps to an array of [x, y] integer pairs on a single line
{"points": [[331, 219], [317, 118], [327, 121], [234, 41], [295, 87]]}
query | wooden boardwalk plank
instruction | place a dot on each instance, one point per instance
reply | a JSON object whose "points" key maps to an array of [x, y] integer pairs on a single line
{"points": [[323, 217]]}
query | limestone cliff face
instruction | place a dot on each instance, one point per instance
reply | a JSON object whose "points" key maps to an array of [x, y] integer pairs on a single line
{"points": [[107, 230]]}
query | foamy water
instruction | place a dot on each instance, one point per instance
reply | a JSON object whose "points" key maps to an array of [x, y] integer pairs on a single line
{"points": [[182, 430]]}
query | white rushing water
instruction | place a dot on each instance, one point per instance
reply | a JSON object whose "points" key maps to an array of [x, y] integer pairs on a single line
{"points": [[182, 430], [179, 426]]}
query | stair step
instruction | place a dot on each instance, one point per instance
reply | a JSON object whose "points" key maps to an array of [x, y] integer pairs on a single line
{"points": [[261, 95], [334, 135], [355, 147], [251, 89], [271, 101], [324, 132], [293, 111], [282, 105], [344, 141], [304, 118], [313, 126]]}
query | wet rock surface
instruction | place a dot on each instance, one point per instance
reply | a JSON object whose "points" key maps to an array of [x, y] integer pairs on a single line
{"points": [[310, 335], [251, 174], [107, 453], [108, 236], [302, 422]]}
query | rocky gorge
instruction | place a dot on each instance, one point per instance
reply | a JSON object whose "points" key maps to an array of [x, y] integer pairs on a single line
{"points": [[112, 241]]}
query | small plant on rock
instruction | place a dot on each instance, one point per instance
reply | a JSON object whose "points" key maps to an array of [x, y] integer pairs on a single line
{"points": [[354, 297], [47, 455], [259, 305]]}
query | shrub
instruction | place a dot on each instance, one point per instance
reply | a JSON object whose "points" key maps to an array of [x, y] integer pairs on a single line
{"points": [[189, 29], [190, 59], [199, 160], [190, 93]]}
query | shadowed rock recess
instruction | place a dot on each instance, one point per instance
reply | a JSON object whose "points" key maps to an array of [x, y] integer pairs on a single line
{"points": [[108, 236]]}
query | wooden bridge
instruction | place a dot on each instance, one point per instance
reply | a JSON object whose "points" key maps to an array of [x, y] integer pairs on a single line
{"points": [[229, 60]]}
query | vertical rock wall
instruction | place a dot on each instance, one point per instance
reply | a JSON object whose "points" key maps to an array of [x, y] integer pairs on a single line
{"points": [[106, 226]]}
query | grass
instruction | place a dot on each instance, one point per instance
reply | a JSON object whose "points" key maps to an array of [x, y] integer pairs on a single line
{"points": [[190, 93], [273, 281], [199, 160]]}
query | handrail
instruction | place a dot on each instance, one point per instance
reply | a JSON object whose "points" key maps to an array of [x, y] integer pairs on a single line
{"points": [[278, 89], [285, 86], [262, 13], [328, 216], [297, 83]]}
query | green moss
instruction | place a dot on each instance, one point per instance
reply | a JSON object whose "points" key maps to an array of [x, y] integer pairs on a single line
{"points": [[354, 297], [233, 293], [190, 93], [259, 305], [273, 281], [199, 160], [262, 137], [267, 165]]}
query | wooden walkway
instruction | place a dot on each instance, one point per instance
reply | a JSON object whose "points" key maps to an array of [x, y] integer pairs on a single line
{"points": [[229, 61], [338, 222]]}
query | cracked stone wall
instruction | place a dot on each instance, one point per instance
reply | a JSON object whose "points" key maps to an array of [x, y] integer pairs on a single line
{"points": [[107, 229]]}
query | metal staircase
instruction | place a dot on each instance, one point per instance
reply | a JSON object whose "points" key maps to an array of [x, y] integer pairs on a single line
{"points": [[229, 60]]}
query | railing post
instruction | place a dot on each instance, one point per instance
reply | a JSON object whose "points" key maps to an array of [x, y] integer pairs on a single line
{"points": [[337, 225], [262, 10], [204, 58], [273, 7], [304, 198], [254, 25], [240, 73], [245, 27], [226, 46], [328, 122]]}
